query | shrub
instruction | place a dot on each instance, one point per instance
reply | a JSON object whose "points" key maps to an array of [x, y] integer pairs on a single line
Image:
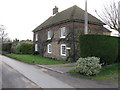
{"points": [[6, 47], [35, 53], [25, 48], [105, 47], [88, 66], [118, 60]]}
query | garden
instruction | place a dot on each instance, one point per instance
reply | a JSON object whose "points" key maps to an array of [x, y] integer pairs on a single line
{"points": [[99, 57]]}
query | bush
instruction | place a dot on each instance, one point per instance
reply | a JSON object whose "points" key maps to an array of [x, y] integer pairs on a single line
{"points": [[118, 60], [88, 66], [6, 47], [35, 53], [105, 47], [25, 48]]}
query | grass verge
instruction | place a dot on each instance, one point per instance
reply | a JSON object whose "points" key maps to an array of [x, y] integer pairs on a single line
{"points": [[38, 60], [107, 73]]}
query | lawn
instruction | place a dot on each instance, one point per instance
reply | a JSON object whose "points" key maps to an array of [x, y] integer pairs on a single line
{"points": [[38, 60], [107, 73]]}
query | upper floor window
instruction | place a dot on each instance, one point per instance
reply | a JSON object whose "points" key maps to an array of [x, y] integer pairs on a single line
{"points": [[36, 37], [49, 35], [63, 50], [49, 48], [62, 32]]}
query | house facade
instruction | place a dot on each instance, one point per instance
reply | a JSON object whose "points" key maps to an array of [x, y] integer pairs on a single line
{"points": [[57, 37]]}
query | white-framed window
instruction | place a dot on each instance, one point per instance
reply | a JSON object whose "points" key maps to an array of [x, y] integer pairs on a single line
{"points": [[36, 37], [36, 47], [49, 48], [62, 32], [63, 50], [49, 34]]}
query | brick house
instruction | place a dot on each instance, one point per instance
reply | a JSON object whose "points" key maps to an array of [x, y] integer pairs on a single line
{"points": [[57, 36]]}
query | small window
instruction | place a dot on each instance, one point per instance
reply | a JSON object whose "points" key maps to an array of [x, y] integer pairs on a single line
{"points": [[62, 32], [49, 35], [36, 47], [63, 50], [36, 37], [49, 48]]}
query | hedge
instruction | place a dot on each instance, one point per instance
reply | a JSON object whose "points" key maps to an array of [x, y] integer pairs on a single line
{"points": [[102, 46], [6, 47], [25, 48], [119, 49]]}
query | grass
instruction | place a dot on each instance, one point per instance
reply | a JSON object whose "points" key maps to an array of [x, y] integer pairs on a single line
{"points": [[38, 60], [107, 73]]}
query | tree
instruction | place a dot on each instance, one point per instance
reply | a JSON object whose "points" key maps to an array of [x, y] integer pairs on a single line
{"points": [[110, 16], [3, 34]]}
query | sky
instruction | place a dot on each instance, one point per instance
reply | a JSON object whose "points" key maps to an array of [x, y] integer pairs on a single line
{"points": [[20, 17]]}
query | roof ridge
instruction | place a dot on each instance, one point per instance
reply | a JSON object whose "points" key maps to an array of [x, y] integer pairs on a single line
{"points": [[73, 12]]}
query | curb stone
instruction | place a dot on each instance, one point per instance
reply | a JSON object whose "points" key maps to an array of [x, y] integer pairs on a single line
{"points": [[42, 66]]}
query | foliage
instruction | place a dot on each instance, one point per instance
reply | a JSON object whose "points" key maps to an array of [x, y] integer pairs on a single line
{"points": [[37, 60], [105, 47], [35, 53], [108, 72], [118, 49], [88, 66], [6, 47], [25, 48]]}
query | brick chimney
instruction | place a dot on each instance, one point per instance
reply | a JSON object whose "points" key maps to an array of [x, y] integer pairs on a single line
{"points": [[55, 10]]}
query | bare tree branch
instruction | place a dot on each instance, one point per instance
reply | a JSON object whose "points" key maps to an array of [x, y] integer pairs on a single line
{"points": [[3, 34], [110, 16]]}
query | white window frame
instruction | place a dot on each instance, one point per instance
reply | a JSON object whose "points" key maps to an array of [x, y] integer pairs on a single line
{"points": [[36, 37], [36, 47], [62, 31], [48, 48], [61, 49], [49, 34]]}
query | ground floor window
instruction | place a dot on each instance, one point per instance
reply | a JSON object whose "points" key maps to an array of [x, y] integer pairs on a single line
{"points": [[63, 50], [49, 48], [36, 47]]}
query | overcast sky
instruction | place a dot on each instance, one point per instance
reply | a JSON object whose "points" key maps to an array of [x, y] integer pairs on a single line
{"points": [[20, 17]]}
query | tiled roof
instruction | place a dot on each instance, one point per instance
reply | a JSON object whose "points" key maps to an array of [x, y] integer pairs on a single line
{"points": [[73, 13]]}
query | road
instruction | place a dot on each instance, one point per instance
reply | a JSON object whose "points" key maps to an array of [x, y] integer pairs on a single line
{"points": [[43, 79], [0, 75], [35, 74], [13, 79]]}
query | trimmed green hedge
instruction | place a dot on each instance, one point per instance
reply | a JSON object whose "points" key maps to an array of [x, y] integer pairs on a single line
{"points": [[119, 49], [6, 47], [102, 46], [25, 48]]}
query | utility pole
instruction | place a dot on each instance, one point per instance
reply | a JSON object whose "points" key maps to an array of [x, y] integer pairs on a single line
{"points": [[119, 13], [86, 19]]}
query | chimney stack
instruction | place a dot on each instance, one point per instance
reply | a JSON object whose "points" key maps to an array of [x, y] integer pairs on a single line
{"points": [[55, 10]]}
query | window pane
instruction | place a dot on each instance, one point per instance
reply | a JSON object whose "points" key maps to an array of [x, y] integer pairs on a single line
{"points": [[49, 48], [63, 32], [63, 50], [36, 37], [49, 34], [36, 47]]}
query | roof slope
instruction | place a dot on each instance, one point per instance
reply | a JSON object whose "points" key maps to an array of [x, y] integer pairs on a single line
{"points": [[73, 13]]}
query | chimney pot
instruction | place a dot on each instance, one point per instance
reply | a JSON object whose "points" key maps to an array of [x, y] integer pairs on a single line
{"points": [[55, 10]]}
